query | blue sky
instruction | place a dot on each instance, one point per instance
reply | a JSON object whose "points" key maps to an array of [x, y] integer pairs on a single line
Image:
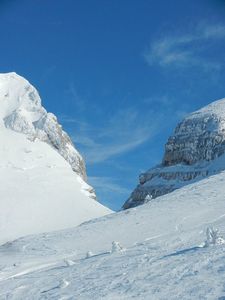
{"points": [[119, 75]]}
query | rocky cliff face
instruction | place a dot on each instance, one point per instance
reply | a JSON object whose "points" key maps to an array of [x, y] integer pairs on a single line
{"points": [[21, 111], [194, 151]]}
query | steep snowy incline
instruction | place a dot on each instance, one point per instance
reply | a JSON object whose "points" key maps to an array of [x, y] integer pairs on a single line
{"points": [[163, 255], [39, 191], [195, 151], [21, 111]]}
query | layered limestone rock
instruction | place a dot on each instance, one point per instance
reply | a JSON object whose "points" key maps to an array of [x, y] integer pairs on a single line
{"points": [[194, 151]]}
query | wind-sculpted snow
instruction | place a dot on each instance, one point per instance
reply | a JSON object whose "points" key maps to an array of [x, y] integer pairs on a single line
{"points": [[163, 254], [39, 191], [195, 151]]}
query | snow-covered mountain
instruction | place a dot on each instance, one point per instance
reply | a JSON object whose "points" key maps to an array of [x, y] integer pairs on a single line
{"points": [[168, 248], [159, 250], [21, 111], [42, 175], [195, 151]]}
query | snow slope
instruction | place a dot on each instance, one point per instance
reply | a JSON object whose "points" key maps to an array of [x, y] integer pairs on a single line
{"points": [[21, 111], [163, 255], [40, 190]]}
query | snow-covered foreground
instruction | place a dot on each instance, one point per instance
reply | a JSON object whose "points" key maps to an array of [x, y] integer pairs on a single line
{"points": [[164, 257]]}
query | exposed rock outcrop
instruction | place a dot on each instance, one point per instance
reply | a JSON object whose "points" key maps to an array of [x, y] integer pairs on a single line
{"points": [[194, 151]]}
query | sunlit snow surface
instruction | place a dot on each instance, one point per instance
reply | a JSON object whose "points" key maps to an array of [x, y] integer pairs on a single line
{"points": [[39, 191], [163, 256]]}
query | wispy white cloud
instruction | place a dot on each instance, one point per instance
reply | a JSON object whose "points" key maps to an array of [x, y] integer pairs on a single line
{"points": [[186, 50], [73, 120], [78, 101], [168, 105], [123, 132], [103, 152], [47, 72], [216, 31], [106, 184]]}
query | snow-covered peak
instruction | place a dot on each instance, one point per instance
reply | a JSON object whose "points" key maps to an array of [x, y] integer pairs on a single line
{"points": [[200, 136], [195, 150], [21, 111], [209, 118], [17, 94], [216, 108]]}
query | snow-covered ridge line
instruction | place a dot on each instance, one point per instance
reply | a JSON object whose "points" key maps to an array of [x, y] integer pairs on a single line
{"points": [[21, 111], [194, 151]]}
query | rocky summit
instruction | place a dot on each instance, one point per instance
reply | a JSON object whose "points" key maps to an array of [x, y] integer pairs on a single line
{"points": [[194, 151]]}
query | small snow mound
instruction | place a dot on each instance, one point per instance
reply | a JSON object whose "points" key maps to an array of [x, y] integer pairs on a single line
{"points": [[116, 247], [69, 262], [213, 237], [89, 254], [64, 284]]}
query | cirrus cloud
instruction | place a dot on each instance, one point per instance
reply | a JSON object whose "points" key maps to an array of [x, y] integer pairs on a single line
{"points": [[187, 50]]}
